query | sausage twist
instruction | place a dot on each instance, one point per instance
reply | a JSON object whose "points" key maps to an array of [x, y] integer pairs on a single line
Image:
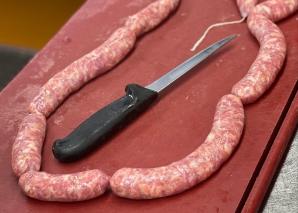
{"points": [[246, 6]]}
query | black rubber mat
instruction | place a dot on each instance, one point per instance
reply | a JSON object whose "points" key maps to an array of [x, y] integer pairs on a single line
{"points": [[12, 60]]}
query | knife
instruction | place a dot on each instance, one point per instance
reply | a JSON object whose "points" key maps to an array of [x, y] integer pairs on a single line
{"points": [[100, 126]]}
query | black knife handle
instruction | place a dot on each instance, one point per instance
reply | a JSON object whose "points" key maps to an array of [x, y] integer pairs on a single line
{"points": [[103, 124]]}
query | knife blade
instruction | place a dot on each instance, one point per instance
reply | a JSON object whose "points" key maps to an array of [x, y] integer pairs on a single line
{"points": [[100, 126]]}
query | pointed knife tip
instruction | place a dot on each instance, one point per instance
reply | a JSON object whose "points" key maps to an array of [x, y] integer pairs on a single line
{"points": [[233, 36], [228, 38]]}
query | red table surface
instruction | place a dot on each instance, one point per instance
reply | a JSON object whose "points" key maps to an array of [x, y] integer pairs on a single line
{"points": [[174, 127]]}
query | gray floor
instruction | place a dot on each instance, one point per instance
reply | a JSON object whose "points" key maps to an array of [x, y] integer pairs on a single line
{"points": [[284, 195]]}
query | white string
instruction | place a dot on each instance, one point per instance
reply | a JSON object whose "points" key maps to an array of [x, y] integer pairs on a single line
{"points": [[198, 42]]}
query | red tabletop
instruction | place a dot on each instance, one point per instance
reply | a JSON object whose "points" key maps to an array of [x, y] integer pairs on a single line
{"points": [[173, 127]]}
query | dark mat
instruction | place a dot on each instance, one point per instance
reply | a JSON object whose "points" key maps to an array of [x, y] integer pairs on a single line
{"points": [[12, 60]]}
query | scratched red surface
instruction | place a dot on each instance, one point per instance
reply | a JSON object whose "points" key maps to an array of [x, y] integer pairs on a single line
{"points": [[171, 129]]}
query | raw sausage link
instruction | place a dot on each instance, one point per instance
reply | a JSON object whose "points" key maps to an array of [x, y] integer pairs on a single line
{"points": [[246, 6], [148, 183], [64, 188], [269, 61], [83, 70], [151, 16], [26, 150], [276, 10], [101, 59]]}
